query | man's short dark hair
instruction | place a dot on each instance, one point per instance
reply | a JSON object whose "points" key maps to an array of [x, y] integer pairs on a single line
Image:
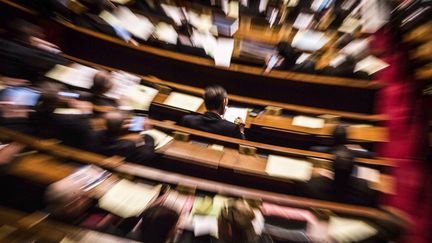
{"points": [[158, 222], [339, 135], [214, 97]]}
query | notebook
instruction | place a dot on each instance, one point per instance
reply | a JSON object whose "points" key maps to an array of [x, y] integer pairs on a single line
{"points": [[140, 97], [232, 113]]}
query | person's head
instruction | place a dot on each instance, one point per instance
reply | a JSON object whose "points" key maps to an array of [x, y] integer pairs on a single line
{"points": [[343, 165], [21, 30], [216, 98], [102, 83], [114, 122], [235, 222], [97, 6], [339, 135], [48, 102], [159, 224]]}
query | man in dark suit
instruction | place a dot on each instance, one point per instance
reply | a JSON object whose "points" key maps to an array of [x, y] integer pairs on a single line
{"points": [[216, 99], [343, 187], [111, 143]]}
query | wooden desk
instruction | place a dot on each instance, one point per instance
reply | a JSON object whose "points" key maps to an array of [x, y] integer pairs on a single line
{"points": [[369, 133]]}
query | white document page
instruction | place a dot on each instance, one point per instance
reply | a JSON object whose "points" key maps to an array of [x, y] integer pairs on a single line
{"points": [[307, 121], [205, 225], [78, 77], [295, 169], [309, 40], [160, 139], [349, 230], [303, 20], [175, 13], [137, 25], [232, 113], [184, 101], [140, 97], [370, 65], [166, 33], [128, 199], [349, 25], [368, 174], [122, 84], [223, 52]]}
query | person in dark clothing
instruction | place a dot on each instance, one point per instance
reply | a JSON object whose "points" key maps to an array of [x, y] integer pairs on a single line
{"points": [[158, 225], [140, 150], [216, 99], [102, 83], [343, 187]]}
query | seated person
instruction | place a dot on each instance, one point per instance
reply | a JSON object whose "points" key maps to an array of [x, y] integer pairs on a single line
{"points": [[111, 143], [65, 119], [340, 138], [343, 188], [158, 225], [235, 225], [102, 84], [216, 99]]}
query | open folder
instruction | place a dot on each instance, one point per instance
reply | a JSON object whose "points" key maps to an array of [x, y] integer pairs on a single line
{"points": [[233, 113], [140, 97], [128, 199], [183, 101], [77, 75], [295, 169]]}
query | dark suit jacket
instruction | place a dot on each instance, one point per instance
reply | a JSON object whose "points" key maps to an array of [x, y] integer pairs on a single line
{"points": [[357, 192], [110, 146], [188, 237], [213, 123]]}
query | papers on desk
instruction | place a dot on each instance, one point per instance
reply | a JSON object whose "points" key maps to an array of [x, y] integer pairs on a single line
{"points": [[303, 20], [160, 139], [368, 174], [356, 47], [223, 52], [226, 25], [233, 9], [202, 22], [140, 97], [303, 57], [233, 113], [183, 101], [122, 84], [205, 225], [295, 169], [166, 33], [349, 25], [349, 230], [137, 25], [307, 121], [76, 75], [175, 13], [309, 40], [128, 199], [370, 65]]}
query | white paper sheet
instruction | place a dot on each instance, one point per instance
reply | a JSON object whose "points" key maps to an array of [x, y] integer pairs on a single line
{"points": [[160, 139], [368, 174], [183, 101], [141, 96], [223, 52], [77, 75], [128, 199], [309, 40], [370, 65], [307, 121], [205, 225], [232, 113], [175, 13], [122, 84], [349, 230], [137, 25], [295, 169], [303, 20], [166, 33]]}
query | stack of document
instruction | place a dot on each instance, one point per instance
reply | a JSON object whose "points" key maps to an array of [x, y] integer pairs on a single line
{"points": [[284, 167], [368, 174], [226, 25], [309, 40], [128, 199], [183, 101], [349, 230], [307, 121], [122, 83], [160, 139], [76, 75], [234, 113], [140, 97], [370, 65]]}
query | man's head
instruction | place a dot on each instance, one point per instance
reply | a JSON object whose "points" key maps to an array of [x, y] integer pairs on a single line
{"points": [[102, 83], [114, 121], [235, 222], [339, 135], [343, 164], [159, 224], [216, 98]]}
